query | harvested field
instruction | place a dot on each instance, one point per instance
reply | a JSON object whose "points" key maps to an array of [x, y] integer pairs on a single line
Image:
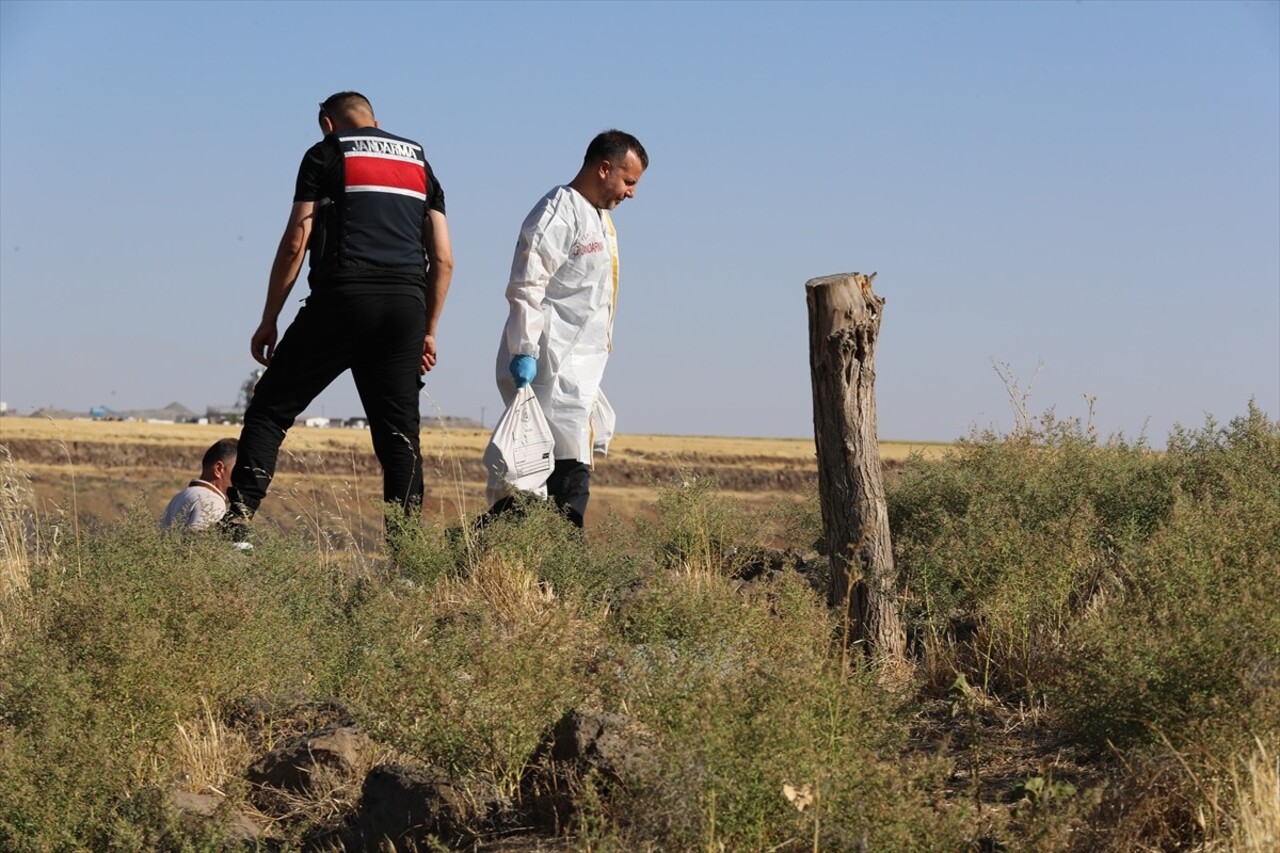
{"points": [[101, 469]]}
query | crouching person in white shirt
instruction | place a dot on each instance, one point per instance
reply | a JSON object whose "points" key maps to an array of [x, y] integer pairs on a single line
{"points": [[204, 501]]}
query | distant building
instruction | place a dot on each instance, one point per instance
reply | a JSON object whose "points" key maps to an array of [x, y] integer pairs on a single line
{"points": [[316, 422], [223, 415]]}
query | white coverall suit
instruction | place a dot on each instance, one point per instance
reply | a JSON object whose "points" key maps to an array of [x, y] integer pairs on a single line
{"points": [[562, 291]]}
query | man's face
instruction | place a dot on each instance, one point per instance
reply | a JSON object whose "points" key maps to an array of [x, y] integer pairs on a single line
{"points": [[222, 474], [619, 180]]}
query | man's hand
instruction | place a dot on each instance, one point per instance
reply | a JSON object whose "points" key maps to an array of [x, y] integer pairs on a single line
{"points": [[428, 354], [284, 272], [263, 344], [523, 369]]}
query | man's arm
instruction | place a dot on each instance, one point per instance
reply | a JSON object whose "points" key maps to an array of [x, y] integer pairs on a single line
{"points": [[545, 240], [435, 232], [284, 272]]}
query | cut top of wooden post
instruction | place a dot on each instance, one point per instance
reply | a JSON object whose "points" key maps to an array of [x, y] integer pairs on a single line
{"points": [[847, 299]]}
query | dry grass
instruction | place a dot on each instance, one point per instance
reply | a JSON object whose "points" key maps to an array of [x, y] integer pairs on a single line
{"points": [[1252, 804], [511, 593], [17, 501], [453, 441], [776, 450], [328, 483], [208, 753], [12, 428], [331, 795], [1227, 805], [18, 534]]}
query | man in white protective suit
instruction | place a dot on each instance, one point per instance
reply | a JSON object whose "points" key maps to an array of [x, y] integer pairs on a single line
{"points": [[562, 292]]}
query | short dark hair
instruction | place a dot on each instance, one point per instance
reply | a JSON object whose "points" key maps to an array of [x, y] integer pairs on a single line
{"points": [[613, 145], [339, 103], [223, 450]]}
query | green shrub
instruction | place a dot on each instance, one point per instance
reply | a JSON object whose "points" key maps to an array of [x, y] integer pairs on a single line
{"points": [[1007, 541], [469, 674], [128, 638], [597, 566], [424, 554], [1129, 594], [748, 696], [702, 529], [1124, 598], [1196, 635]]}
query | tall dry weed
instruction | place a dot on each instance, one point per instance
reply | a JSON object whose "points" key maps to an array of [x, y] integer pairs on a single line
{"points": [[512, 594], [17, 528], [334, 512], [75, 501], [1255, 784], [701, 530], [331, 512], [1199, 802], [208, 753], [449, 456], [485, 657]]}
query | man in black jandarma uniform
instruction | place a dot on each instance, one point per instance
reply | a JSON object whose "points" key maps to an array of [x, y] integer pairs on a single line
{"points": [[371, 213]]}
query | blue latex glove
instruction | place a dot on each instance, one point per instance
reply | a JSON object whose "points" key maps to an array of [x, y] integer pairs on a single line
{"points": [[523, 369]]}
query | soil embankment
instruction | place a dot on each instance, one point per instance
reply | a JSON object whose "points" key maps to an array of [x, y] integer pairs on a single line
{"points": [[733, 473]]}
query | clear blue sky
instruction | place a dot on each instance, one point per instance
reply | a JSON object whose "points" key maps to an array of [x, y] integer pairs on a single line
{"points": [[1094, 187]]}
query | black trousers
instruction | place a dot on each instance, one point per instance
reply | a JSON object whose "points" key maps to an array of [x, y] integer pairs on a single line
{"points": [[378, 337], [569, 487]]}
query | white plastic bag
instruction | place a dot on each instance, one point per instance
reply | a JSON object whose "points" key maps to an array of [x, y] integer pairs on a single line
{"points": [[519, 455], [603, 423]]}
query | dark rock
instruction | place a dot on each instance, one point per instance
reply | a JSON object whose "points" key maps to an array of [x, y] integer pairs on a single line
{"points": [[413, 805], [261, 719], [240, 828], [610, 744], [599, 746], [291, 766], [754, 577]]}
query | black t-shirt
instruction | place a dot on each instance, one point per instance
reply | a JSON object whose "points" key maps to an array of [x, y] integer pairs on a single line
{"points": [[320, 177]]}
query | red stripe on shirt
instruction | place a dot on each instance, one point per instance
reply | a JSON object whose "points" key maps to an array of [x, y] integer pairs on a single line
{"points": [[382, 172]]}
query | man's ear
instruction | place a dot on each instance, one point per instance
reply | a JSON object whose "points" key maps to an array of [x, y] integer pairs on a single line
{"points": [[326, 125], [604, 168]]}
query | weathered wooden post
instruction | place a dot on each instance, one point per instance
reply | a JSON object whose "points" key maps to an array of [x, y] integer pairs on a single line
{"points": [[844, 322]]}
